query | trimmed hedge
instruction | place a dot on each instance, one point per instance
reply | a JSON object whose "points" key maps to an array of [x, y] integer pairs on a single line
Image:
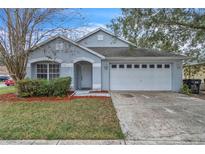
{"points": [[55, 87]]}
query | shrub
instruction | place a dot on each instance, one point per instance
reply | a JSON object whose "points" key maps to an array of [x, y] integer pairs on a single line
{"points": [[55, 87], [185, 89], [60, 86], [42, 89]]}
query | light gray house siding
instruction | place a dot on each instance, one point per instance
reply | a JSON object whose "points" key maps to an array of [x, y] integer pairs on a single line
{"points": [[108, 41], [69, 55], [176, 75], [105, 75]]}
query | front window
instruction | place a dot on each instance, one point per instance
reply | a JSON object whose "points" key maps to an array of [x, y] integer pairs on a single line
{"points": [[48, 70], [54, 71], [42, 71]]}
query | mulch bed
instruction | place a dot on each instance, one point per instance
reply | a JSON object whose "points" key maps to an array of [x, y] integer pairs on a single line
{"points": [[14, 98]]}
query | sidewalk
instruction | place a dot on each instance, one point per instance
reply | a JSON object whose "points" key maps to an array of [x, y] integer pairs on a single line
{"points": [[96, 142], [61, 142]]}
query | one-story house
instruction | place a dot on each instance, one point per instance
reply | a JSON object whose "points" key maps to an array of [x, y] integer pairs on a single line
{"points": [[102, 61]]}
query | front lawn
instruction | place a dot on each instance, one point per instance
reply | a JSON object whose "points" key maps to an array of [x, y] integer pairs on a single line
{"points": [[6, 90], [77, 119]]}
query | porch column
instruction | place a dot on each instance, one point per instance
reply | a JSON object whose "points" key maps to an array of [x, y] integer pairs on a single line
{"points": [[96, 76], [28, 71], [67, 69]]}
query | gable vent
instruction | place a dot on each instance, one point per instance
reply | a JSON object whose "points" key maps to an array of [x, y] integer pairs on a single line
{"points": [[100, 37], [59, 46]]}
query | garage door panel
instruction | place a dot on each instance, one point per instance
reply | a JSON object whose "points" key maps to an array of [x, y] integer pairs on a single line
{"points": [[140, 79]]}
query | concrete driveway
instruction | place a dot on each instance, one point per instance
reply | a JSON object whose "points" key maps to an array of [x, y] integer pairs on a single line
{"points": [[160, 117]]}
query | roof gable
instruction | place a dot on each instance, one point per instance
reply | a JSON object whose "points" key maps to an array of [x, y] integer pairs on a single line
{"points": [[111, 40], [70, 41]]}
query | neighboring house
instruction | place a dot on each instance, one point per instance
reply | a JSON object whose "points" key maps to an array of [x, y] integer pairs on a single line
{"points": [[102, 61]]}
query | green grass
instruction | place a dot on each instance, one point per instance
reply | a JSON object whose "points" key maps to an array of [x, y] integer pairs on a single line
{"points": [[78, 119], [7, 90]]}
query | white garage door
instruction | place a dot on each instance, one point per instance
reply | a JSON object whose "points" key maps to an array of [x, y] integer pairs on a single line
{"points": [[140, 77]]}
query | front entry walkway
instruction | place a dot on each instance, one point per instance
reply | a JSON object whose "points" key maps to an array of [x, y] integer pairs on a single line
{"points": [[91, 93]]}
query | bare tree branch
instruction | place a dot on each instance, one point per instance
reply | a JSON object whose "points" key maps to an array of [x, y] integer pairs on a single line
{"points": [[22, 29]]}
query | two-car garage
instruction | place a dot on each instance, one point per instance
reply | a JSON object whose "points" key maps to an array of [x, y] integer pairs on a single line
{"points": [[140, 76]]}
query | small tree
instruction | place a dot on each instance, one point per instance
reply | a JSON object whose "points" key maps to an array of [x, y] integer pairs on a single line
{"points": [[21, 30], [191, 70]]}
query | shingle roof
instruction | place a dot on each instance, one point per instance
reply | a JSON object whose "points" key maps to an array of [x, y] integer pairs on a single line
{"points": [[132, 52]]}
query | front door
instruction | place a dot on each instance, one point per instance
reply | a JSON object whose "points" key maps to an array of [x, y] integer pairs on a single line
{"points": [[86, 76]]}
